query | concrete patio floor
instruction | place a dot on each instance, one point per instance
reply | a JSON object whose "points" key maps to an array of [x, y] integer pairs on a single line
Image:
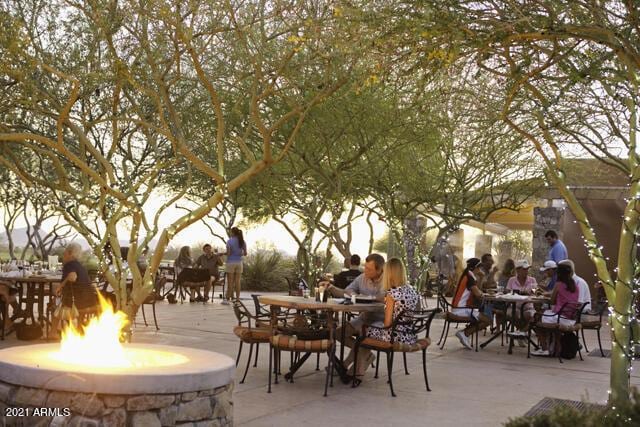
{"points": [[481, 389]]}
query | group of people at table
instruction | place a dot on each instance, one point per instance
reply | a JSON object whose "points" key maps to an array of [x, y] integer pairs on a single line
{"points": [[211, 260], [564, 288], [387, 282]]}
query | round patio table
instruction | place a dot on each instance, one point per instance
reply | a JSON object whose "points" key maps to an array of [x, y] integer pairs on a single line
{"points": [[33, 293], [512, 302], [331, 306]]}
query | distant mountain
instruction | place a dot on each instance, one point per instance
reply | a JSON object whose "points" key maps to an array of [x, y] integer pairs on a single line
{"points": [[19, 236], [20, 239]]}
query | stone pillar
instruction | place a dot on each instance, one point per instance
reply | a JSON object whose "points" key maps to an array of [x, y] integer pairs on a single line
{"points": [[483, 244], [544, 219], [505, 251], [456, 242]]}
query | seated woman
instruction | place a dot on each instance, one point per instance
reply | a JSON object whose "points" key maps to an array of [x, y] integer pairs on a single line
{"points": [[400, 298], [523, 284], [564, 291], [466, 301], [183, 261], [76, 289]]}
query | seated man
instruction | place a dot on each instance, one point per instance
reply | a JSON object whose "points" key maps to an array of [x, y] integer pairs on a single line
{"points": [[466, 301], [76, 288], [549, 269], [489, 272], [344, 278], [211, 261], [368, 283]]}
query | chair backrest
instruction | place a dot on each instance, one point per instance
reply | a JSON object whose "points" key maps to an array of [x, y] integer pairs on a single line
{"points": [[169, 272], [242, 313], [194, 275], [418, 321], [571, 310], [260, 310], [158, 285], [443, 304], [294, 289]]}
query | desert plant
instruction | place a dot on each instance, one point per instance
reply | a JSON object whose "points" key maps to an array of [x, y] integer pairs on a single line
{"points": [[265, 270], [624, 414]]}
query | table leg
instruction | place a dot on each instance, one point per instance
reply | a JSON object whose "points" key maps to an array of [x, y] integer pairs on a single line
{"points": [[294, 368], [41, 287], [512, 327], [343, 335]]}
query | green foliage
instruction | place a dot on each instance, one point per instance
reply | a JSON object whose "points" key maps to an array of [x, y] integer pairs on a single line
{"points": [[265, 270], [521, 241], [624, 414]]}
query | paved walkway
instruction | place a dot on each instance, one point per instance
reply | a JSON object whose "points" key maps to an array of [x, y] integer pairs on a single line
{"points": [[483, 389]]}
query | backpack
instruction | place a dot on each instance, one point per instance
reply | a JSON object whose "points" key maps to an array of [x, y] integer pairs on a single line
{"points": [[568, 345]]}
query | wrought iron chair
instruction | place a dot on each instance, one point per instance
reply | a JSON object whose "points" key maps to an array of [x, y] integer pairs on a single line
{"points": [[592, 320], [220, 281], [417, 322], [292, 285], [248, 333], [569, 311], [4, 313], [450, 318], [151, 300], [303, 335]]}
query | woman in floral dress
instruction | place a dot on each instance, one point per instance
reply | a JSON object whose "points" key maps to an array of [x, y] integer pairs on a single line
{"points": [[400, 298]]}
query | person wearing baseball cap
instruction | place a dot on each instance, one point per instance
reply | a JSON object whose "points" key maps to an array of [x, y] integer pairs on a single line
{"points": [[549, 269], [523, 284]]}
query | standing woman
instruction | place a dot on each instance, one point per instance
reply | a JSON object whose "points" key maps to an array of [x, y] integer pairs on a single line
{"points": [[236, 249]]}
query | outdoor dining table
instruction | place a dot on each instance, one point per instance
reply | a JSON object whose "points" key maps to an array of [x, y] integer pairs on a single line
{"points": [[511, 302], [332, 306], [34, 292]]}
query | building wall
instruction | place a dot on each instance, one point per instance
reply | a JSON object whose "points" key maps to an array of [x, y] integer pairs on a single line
{"points": [[605, 217]]}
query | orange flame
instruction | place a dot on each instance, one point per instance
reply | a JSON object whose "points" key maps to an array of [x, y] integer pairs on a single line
{"points": [[98, 344]]}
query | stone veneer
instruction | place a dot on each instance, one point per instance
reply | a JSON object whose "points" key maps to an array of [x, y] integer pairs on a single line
{"points": [[212, 407], [545, 219]]}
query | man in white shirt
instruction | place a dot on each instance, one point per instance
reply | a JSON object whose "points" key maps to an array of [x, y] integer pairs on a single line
{"points": [[584, 293]]}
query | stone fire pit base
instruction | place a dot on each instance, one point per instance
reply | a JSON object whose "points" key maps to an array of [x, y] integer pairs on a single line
{"points": [[211, 407]]}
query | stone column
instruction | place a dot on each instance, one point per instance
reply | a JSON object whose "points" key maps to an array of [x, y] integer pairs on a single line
{"points": [[483, 244], [505, 251], [545, 219], [456, 242]]}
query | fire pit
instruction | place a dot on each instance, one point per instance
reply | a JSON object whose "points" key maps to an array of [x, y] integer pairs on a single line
{"points": [[105, 383]]}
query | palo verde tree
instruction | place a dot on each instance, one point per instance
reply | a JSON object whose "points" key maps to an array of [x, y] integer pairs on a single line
{"points": [[110, 95], [457, 164], [566, 76]]}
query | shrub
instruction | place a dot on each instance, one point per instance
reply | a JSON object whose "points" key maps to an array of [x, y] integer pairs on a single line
{"points": [[265, 270], [627, 414]]}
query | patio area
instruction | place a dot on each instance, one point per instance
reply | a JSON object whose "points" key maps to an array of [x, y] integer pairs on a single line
{"points": [[484, 388]]}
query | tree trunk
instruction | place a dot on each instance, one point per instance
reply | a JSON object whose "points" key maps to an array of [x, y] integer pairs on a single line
{"points": [[412, 232]]}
